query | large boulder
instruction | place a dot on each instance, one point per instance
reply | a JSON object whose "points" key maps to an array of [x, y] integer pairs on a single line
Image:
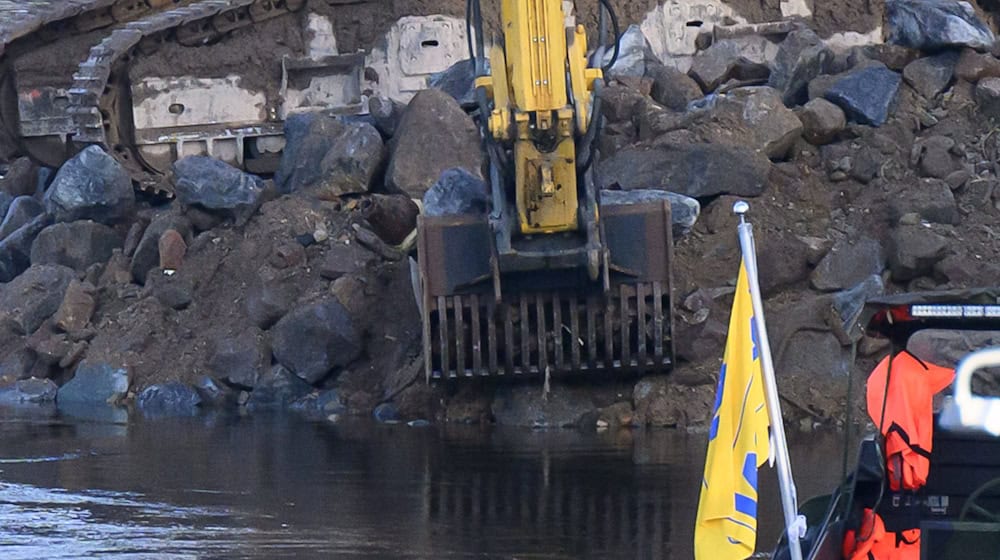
{"points": [[241, 359], [931, 25], [672, 88], [458, 81], [684, 210], [801, 57], [21, 210], [76, 244], [741, 58], [931, 75], [848, 263], [329, 157], [95, 383], [15, 249], [695, 170], [91, 186], [866, 94], [31, 298], [434, 135], [214, 185], [457, 192], [754, 117], [277, 389], [168, 399], [314, 339]]}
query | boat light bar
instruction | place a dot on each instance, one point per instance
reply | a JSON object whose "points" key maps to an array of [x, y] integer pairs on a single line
{"points": [[942, 310]]}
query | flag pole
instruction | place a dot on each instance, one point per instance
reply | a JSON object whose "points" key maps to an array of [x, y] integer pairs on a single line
{"points": [[794, 523]]}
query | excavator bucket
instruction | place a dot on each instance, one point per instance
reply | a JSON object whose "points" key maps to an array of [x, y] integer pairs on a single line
{"points": [[477, 323]]}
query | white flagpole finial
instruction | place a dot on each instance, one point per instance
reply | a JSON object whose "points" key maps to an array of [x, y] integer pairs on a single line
{"points": [[741, 207]]}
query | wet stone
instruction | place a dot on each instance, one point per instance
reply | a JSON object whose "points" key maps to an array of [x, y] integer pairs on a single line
{"points": [[29, 391], [95, 383], [168, 399], [277, 388]]}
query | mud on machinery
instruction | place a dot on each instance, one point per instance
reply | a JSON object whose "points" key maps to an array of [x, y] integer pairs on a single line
{"points": [[551, 281]]}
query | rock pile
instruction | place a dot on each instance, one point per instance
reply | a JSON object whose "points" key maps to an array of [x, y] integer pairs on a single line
{"points": [[870, 169]]}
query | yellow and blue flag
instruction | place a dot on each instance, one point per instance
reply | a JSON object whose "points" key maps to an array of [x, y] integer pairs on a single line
{"points": [[726, 526]]}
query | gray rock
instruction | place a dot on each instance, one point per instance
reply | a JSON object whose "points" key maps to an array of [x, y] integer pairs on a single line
{"points": [[351, 164], [741, 58], [815, 355], [524, 405], [619, 102], [895, 57], [930, 76], [77, 307], [387, 114], [15, 249], [821, 121], [277, 389], [341, 259], [935, 24], [20, 178], [915, 251], [434, 135], [633, 53], [31, 298], [5, 201], [660, 402], [672, 88], [752, 117], [821, 84], [988, 97], [18, 364], [695, 170], [847, 264], [867, 94], [684, 210], [91, 186], [320, 404], [458, 81], [801, 57], [168, 399], [217, 186], [242, 359], [94, 383], [783, 260], [76, 244], [147, 251], [314, 339], [213, 393], [22, 210], [32, 390], [931, 199], [457, 192], [329, 157]]}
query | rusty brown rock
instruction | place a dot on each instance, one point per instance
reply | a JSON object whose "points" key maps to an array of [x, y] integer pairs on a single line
{"points": [[392, 217], [172, 248], [973, 66], [287, 255], [77, 307]]}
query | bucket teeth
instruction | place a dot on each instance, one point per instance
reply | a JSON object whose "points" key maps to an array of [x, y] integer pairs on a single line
{"points": [[535, 334]]}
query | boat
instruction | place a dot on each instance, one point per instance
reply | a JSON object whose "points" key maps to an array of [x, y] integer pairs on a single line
{"points": [[957, 509]]}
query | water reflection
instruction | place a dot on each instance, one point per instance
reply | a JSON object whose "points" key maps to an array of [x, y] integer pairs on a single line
{"points": [[225, 487]]}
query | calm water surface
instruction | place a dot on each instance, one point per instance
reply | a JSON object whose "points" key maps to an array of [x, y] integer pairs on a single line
{"points": [[282, 487]]}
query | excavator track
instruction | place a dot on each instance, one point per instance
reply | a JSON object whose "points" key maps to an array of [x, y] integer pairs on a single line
{"points": [[25, 25], [99, 98]]}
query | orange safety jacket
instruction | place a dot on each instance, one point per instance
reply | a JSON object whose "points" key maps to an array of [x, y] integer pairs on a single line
{"points": [[908, 424], [908, 427]]}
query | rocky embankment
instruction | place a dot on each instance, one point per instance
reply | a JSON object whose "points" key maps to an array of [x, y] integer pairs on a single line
{"points": [[870, 170]]}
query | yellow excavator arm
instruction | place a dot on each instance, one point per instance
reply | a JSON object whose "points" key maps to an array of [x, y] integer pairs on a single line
{"points": [[541, 90]]}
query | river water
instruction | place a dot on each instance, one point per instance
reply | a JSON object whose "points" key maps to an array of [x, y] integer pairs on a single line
{"points": [[282, 487]]}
